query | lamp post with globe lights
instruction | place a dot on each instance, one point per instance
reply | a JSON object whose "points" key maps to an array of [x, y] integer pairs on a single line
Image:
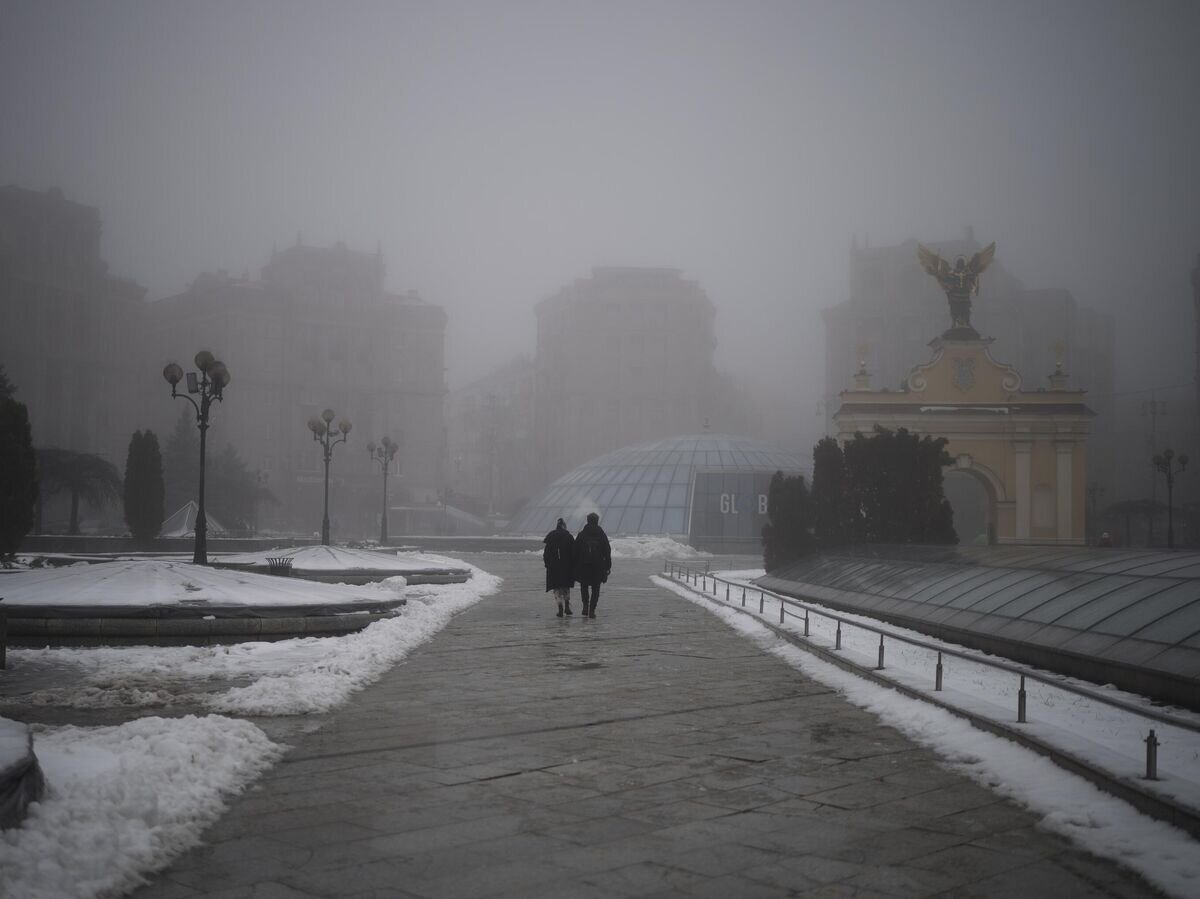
{"points": [[328, 436], [208, 386], [1165, 463], [383, 454]]}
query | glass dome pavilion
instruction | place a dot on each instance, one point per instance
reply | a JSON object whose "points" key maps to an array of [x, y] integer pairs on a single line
{"points": [[708, 488]]}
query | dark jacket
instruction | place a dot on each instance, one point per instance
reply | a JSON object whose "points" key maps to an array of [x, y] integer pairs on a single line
{"points": [[559, 558], [593, 555]]}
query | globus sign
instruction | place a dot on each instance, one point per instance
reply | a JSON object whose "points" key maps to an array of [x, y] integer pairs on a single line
{"points": [[730, 503]]}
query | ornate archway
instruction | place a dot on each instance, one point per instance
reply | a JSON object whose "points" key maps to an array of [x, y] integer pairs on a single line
{"points": [[1027, 446]]}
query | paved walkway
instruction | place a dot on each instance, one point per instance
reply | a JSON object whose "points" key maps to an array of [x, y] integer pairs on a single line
{"points": [[651, 752]]}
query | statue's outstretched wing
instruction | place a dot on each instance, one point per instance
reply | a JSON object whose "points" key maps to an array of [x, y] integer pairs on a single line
{"points": [[982, 259], [932, 262]]}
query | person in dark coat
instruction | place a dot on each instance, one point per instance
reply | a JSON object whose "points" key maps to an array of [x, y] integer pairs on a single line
{"points": [[560, 565], [593, 562]]}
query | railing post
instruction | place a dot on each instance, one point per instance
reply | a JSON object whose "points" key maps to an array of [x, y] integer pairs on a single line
{"points": [[1151, 756], [880, 666], [1021, 702], [761, 600], [781, 610], [937, 678], [727, 592], [743, 596], [837, 638], [806, 631]]}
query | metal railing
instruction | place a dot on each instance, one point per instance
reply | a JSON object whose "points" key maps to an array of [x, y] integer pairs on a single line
{"points": [[787, 606]]}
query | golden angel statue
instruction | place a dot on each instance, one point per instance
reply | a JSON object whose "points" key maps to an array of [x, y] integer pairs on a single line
{"points": [[959, 282]]}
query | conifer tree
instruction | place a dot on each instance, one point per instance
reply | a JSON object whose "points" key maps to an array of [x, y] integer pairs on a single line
{"points": [[18, 477], [144, 489], [787, 536]]}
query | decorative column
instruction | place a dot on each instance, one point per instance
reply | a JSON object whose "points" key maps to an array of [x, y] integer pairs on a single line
{"points": [[1024, 491], [1065, 452]]}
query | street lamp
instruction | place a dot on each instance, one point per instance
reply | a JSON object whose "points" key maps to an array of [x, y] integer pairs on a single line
{"points": [[1164, 462], [383, 454], [209, 386], [328, 436]]}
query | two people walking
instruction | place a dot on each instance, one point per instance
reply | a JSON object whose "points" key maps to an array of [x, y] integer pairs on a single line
{"points": [[585, 558]]}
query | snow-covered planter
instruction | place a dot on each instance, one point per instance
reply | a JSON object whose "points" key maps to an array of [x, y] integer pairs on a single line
{"points": [[21, 780]]}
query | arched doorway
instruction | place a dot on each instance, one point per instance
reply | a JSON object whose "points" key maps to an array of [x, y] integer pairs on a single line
{"points": [[970, 495]]}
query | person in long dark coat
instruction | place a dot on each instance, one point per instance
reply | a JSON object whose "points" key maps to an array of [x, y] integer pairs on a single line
{"points": [[559, 557], [593, 562]]}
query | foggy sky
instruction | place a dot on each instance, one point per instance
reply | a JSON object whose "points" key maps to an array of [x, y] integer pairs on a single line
{"points": [[499, 150]]}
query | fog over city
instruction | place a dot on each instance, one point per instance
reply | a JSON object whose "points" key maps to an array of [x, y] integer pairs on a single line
{"points": [[493, 154], [498, 151]]}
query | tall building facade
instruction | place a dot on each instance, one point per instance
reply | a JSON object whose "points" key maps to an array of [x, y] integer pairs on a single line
{"points": [[70, 332], [318, 330], [491, 464], [894, 307], [625, 356]]}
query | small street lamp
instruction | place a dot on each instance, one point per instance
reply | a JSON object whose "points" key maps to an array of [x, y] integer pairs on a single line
{"points": [[328, 436], [1164, 463], [383, 454], [209, 386]]}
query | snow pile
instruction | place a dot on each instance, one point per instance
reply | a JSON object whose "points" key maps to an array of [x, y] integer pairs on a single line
{"points": [[340, 666], [301, 675], [14, 743], [123, 800], [157, 582], [648, 546], [1069, 805]]}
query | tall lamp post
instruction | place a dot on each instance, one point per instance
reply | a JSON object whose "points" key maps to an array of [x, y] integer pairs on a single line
{"points": [[1165, 463], [209, 386], [383, 454], [328, 436]]}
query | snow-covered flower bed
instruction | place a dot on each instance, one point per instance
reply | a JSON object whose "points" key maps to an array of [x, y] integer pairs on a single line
{"points": [[122, 801], [154, 582], [333, 559], [287, 677]]}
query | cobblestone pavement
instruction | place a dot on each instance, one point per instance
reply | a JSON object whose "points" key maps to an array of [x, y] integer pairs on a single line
{"points": [[648, 752]]}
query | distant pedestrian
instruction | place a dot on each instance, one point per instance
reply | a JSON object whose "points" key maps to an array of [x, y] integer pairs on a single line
{"points": [[1105, 540], [593, 562], [559, 557]]}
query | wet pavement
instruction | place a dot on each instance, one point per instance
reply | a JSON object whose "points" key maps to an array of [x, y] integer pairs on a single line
{"points": [[648, 752]]}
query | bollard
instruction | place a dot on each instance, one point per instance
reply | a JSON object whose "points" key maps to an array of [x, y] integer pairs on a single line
{"points": [[781, 610], [1151, 756], [879, 667], [837, 638], [761, 600], [743, 596], [937, 678], [1021, 702], [806, 631], [727, 593]]}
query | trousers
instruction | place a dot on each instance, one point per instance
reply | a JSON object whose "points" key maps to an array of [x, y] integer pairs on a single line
{"points": [[595, 595]]}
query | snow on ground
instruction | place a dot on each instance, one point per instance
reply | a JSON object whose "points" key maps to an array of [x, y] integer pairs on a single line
{"points": [[14, 743], [285, 677], [155, 582], [650, 546], [122, 801], [332, 559], [1069, 805]]}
